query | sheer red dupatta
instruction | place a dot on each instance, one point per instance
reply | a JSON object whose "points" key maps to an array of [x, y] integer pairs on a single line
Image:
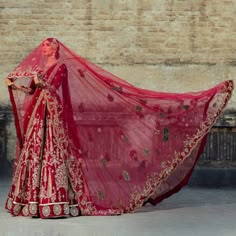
{"points": [[135, 144]]}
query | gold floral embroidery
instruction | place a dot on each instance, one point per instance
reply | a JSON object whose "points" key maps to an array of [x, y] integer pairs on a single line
{"points": [[9, 203], [100, 194], [66, 209], [46, 211], [74, 211], [147, 152], [138, 108], [57, 209], [126, 175], [104, 162], [16, 209], [33, 208], [25, 210]]}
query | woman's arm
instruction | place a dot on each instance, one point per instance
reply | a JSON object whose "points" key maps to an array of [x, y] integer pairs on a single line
{"points": [[9, 82]]}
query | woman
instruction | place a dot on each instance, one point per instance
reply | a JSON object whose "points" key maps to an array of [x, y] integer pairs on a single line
{"points": [[90, 143], [40, 183]]}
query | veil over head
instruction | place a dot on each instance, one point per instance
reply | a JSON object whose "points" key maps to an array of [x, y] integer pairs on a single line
{"points": [[135, 145]]}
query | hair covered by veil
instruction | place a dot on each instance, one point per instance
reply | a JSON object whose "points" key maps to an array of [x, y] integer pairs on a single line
{"points": [[136, 145]]}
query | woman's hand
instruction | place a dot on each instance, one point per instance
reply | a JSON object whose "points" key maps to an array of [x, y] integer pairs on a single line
{"points": [[8, 81], [37, 80]]}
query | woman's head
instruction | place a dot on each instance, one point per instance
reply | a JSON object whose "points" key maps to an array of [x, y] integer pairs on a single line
{"points": [[50, 47]]}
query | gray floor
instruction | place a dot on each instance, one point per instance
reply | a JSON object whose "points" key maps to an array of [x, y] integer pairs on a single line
{"points": [[192, 211]]}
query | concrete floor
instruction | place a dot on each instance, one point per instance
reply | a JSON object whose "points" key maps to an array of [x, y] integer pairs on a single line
{"points": [[192, 211]]}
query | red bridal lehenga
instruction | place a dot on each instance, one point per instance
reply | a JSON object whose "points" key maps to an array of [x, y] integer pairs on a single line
{"points": [[90, 143]]}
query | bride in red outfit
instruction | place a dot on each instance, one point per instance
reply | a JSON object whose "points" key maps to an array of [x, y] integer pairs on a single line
{"points": [[90, 143]]}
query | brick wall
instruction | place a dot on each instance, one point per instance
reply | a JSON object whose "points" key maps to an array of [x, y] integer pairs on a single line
{"points": [[166, 45]]}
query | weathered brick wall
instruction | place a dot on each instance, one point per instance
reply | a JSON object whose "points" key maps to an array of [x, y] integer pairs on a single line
{"points": [[166, 45]]}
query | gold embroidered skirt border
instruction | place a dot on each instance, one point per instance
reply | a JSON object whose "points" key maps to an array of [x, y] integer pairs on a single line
{"points": [[50, 210]]}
